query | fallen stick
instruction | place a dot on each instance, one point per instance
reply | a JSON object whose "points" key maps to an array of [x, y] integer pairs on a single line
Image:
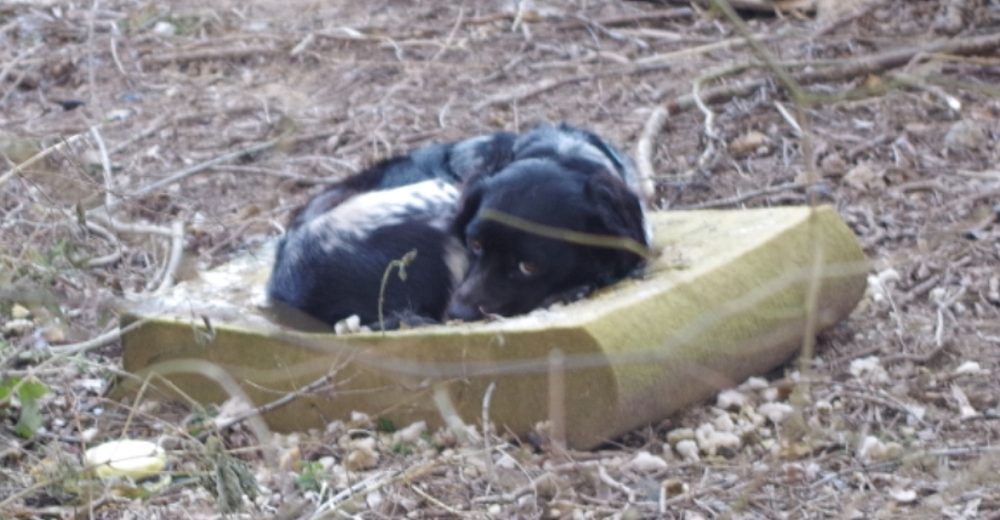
{"points": [[844, 69], [104, 339], [731, 201], [659, 14], [644, 149], [210, 54], [767, 6], [529, 91], [174, 260], [204, 165]]}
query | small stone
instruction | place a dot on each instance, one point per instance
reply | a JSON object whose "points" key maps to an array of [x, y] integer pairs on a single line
{"points": [[749, 143], [730, 400], [359, 420], [776, 412], [833, 164], [17, 327], [89, 434], [367, 443], [374, 499], [965, 135], [680, 434], [794, 473], [711, 441], [647, 462], [290, 458], [903, 496], [688, 450], [872, 449], [869, 368], [506, 461], [993, 294], [327, 463], [965, 408], [54, 334], [19, 312], [888, 277], [95, 385], [864, 177], [92, 158], [411, 433], [724, 423], [334, 428], [893, 450], [362, 455], [880, 283], [969, 367], [164, 28], [673, 487], [119, 114], [755, 383]]}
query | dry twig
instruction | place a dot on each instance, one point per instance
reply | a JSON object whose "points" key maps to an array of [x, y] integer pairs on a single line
{"points": [[645, 149]]}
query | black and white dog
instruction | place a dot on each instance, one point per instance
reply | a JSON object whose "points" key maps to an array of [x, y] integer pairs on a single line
{"points": [[440, 201]]}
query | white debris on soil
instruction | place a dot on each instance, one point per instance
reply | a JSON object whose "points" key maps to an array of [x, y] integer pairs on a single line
{"points": [[17, 327], [881, 283], [646, 462], [711, 441], [869, 369], [776, 412], [688, 450], [872, 449], [19, 312], [411, 433], [362, 454], [348, 325], [970, 367], [965, 408], [903, 496], [730, 399]]}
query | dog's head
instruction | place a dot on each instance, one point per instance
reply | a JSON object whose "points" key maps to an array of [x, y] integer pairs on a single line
{"points": [[534, 230]]}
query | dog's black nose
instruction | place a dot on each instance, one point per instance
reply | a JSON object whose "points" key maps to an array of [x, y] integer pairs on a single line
{"points": [[460, 311]]}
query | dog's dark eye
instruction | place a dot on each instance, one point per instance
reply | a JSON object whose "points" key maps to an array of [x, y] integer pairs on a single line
{"points": [[527, 268], [476, 246]]}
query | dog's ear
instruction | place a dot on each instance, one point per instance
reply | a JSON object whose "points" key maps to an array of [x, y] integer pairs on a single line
{"points": [[617, 211], [468, 205], [483, 155]]}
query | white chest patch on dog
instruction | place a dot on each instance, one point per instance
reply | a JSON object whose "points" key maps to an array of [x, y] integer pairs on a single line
{"points": [[432, 201], [457, 260]]}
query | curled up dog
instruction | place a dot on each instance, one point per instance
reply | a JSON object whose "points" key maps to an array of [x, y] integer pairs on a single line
{"points": [[495, 222]]}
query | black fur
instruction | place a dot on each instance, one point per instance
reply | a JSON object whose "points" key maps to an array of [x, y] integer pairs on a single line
{"points": [[331, 261], [562, 178]]}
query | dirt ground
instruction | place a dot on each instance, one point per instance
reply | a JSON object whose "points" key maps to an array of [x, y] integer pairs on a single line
{"points": [[142, 141]]}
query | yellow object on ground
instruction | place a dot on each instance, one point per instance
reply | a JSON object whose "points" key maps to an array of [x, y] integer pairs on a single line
{"points": [[727, 299], [126, 458]]}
